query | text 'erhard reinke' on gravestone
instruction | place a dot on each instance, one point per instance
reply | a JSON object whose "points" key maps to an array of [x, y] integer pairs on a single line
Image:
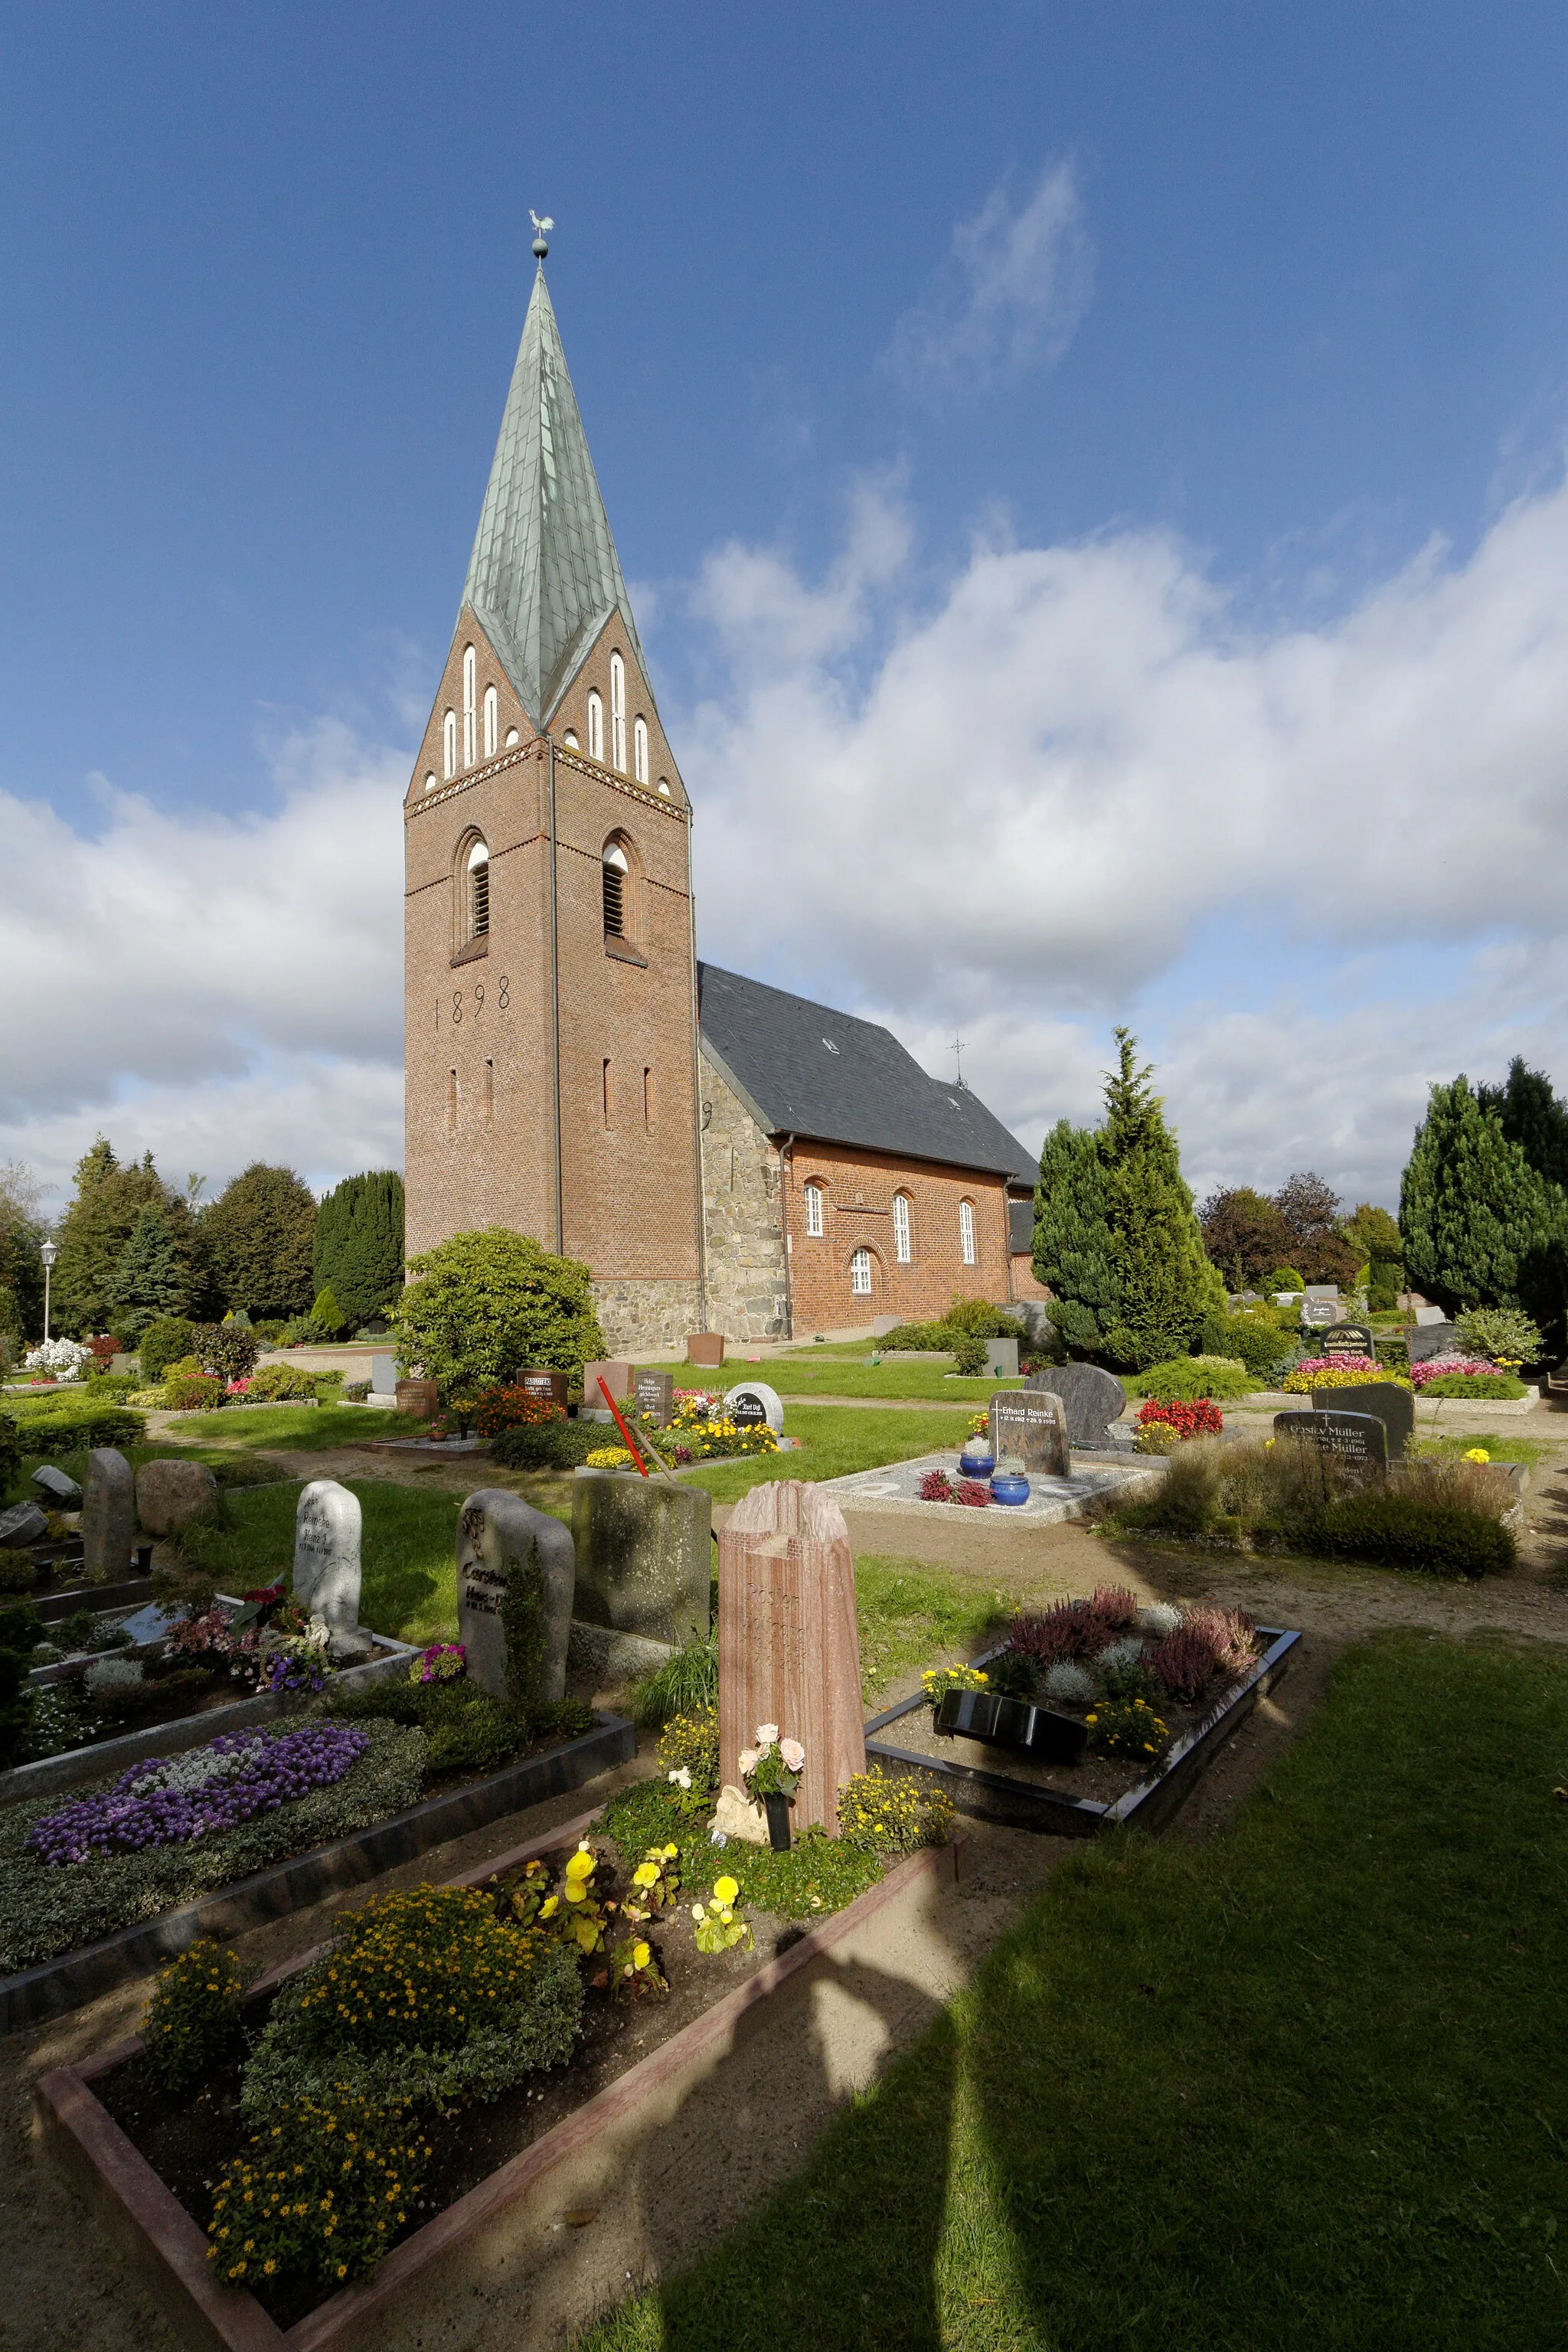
{"points": [[1357, 1440]]}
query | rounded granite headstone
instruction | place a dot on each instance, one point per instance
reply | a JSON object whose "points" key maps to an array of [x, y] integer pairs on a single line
{"points": [[498, 1532], [327, 1524], [1091, 1398], [751, 1403]]}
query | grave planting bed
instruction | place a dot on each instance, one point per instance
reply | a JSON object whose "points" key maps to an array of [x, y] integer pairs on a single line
{"points": [[1078, 1800], [294, 1875], [145, 2161], [896, 1489]]}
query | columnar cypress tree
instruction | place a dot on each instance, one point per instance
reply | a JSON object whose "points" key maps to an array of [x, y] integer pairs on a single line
{"points": [[1072, 1240], [1166, 1286], [1480, 1226], [359, 1244]]}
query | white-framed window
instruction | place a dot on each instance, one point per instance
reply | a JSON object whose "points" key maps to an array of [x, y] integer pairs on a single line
{"points": [[449, 743], [814, 1211], [901, 1227], [595, 727], [617, 714], [639, 750], [478, 891], [492, 722], [617, 876], [430, 781], [966, 1232], [470, 702], [860, 1273]]}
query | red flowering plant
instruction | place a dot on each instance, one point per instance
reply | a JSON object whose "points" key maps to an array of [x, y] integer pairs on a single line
{"points": [[103, 1349], [1199, 1418], [512, 1408], [936, 1486]]}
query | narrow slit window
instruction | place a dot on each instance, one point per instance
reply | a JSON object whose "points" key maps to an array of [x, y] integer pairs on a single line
{"points": [[478, 891], [492, 722], [814, 1213], [647, 1097], [608, 1093], [966, 1232], [451, 1102], [449, 743], [901, 1227], [616, 875], [469, 704], [618, 714], [860, 1273], [639, 750], [489, 1092], [595, 727]]}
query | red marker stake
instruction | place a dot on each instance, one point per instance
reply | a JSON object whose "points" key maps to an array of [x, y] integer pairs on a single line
{"points": [[621, 1425]]}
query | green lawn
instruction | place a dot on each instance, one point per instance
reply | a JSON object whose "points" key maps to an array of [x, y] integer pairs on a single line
{"points": [[835, 1440], [294, 1428], [408, 1553], [826, 1373], [1300, 2086], [911, 1616]]}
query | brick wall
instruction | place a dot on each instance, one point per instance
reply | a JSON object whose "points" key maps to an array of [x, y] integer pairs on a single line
{"points": [[748, 1297], [858, 1189]]}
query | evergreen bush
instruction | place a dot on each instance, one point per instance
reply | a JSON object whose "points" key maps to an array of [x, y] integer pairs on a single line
{"points": [[261, 1229], [1186, 1378], [482, 1305], [1481, 1226], [325, 1311], [166, 1339], [359, 1244]]}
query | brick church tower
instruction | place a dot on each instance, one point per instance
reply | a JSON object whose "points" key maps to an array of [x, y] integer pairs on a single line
{"points": [[549, 973]]}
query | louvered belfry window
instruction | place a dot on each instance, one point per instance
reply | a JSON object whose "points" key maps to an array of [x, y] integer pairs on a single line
{"points": [[478, 891], [616, 879]]}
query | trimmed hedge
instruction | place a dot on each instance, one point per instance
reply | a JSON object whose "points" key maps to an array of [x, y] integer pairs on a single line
{"points": [[1401, 1531], [1186, 1378], [74, 1429], [1476, 1384], [551, 1444]]}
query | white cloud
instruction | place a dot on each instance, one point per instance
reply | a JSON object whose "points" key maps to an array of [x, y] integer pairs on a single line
{"points": [[1054, 784], [212, 988], [1010, 296]]}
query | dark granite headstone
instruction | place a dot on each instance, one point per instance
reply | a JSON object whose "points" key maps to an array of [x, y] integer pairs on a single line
{"points": [[1347, 1339], [22, 1525], [1429, 1340], [62, 1491], [1091, 1398], [655, 1395], [1359, 1440], [539, 1380], [1395, 1407], [1032, 1424], [751, 1404]]}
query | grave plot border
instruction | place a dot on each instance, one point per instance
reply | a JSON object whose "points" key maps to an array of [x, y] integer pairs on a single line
{"points": [[75, 1978], [169, 2247], [1001, 1796]]}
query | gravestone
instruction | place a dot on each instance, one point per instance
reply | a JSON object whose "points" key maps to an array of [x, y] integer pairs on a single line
{"points": [[1033, 1424], [64, 1493], [1001, 1359], [654, 1395], [618, 1378], [1358, 1439], [383, 1376], [170, 1495], [498, 1532], [643, 1551], [22, 1525], [327, 1527], [752, 1403], [540, 1381], [1321, 1310], [1430, 1339], [1347, 1339], [1093, 1399], [108, 1516], [420, 1398], [789, 1651], [1395, 1407]]}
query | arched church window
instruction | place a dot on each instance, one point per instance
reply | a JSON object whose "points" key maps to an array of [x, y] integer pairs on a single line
{"points": [[618, 892], [664, 786], [430, 781], [595, 727], [901, 1249], [639, 750], [449, 743], [617, 714], [860, 1273], [478, 903], [814, 1213], [570, 739], [966, 1232], [492, 722], [470, 698]]}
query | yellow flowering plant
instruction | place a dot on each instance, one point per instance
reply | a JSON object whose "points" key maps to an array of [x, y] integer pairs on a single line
{"points": [[321, 2194], [417, 1968], [1129, 1729], [656, 1882], [191, 2021], [635, 1972], [719, 1926], [893, 1812], [607, 1457], [937, 1681], [579, 1910]]}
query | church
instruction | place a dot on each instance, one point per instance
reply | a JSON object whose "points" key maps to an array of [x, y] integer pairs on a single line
{"points": [[723, 1155]]}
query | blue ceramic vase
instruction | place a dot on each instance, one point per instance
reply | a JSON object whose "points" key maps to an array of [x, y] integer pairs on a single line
{"points": [[976, 1461], [1009, 1486]]}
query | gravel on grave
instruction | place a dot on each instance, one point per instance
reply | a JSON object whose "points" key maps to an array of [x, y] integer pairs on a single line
{"points": [[1050, 1499], [1101, 1778], [187, 2137]]}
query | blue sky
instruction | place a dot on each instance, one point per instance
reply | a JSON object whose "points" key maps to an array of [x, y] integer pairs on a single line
{"points": [[1181, 332]]}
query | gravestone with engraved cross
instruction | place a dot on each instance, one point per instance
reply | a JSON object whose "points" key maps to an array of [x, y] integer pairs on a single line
{"points": [[1033, 1424], [1358, 1441]]}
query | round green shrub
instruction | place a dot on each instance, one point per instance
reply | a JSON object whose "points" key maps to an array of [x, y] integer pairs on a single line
{"points": [[1255, 1340], [166, 1339], [1500, 1333], [1186, 1378], [1500, 1385], [1284, 1277], [483, 1305], [550, 1445]]}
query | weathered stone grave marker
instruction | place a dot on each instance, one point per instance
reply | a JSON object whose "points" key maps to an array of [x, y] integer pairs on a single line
{"points": [[64, 1493], [108, 1516], [1395, 1407], [789, 1650], [22, 1525], [642, 1549], [500, 1535], [1091, 1397], [328, 1525], [1002, 1360], [1428, 1339], [1031, 1423], [170, 1495], [655, 1396], [1359, 1440]]}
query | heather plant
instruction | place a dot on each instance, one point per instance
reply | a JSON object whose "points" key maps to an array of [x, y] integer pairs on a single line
{"points": [[319, 2194], [1208, 1644], [191, 2021], [1158, 1619]]}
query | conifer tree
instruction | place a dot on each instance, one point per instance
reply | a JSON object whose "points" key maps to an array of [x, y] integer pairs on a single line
{"points": [[151, 1277], [1166, 1286], [94, 1231], [1532, 1115], [1480, 1226], [359, 1244], [1072, 1240], [261, 1229]]}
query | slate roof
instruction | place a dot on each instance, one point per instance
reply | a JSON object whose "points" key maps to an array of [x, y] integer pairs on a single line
{"points": [[806, 1069], [544, 576]]}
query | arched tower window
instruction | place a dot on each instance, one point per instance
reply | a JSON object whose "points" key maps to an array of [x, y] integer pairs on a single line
{"points": [[860, 1273], [901, 1249], [966, 1232], [618, 892], [814, 1213], [639, 750], [570, 739], [492, 722], [477, 867], [430, 781], [449, 743], [471, 703], [595, 727], [617, 714]]}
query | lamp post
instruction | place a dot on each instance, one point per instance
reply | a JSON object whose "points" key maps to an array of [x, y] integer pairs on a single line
{"points": [[48, 1253]]}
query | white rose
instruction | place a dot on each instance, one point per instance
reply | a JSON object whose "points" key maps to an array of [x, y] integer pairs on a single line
{"points": [[766, 1734]]}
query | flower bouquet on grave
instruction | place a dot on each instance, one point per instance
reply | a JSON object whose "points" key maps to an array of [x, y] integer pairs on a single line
{"points": [[770, 1774]]}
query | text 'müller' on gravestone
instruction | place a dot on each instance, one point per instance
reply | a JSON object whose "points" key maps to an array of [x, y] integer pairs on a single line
{"points": [[1357, 1440], [789, 1650], [1033, 1424], [500, 1535]]}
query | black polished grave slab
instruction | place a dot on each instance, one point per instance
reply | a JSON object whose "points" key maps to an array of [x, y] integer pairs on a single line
{"points": [[1394, 1406], [1359, 1440], [1001, 1722]]}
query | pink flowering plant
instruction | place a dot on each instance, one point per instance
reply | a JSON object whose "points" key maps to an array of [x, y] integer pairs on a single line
{"points": [[442, 1662], [1445, 1368], [773, 1767]]}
